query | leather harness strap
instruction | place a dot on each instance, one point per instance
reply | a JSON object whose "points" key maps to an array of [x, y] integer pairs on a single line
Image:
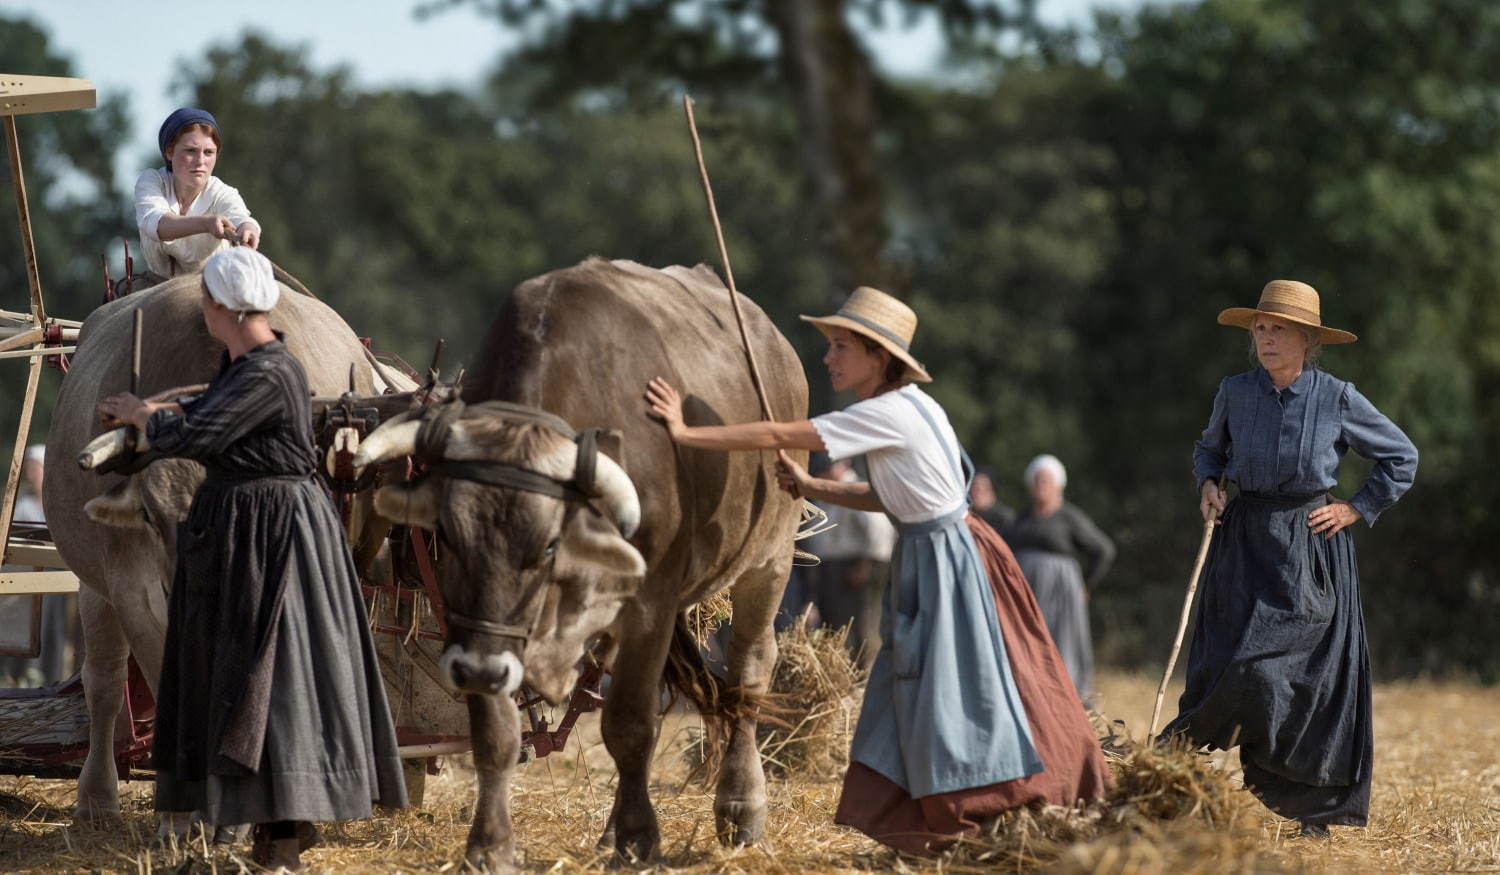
{"points": [[432, 443]]}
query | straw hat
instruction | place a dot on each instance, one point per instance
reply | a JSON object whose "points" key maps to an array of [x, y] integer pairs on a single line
{"points": [[1291, 300], [883, 319]]}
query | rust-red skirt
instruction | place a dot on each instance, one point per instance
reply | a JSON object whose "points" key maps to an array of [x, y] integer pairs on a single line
{"points": [[1074, 765]]}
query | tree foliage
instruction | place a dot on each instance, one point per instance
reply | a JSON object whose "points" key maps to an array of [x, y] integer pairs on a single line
{"points": [[1067, 217]]}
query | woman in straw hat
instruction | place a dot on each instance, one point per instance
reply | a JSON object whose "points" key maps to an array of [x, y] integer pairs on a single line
{"points": [[270, 709], [968, 710], [1278, 662]]}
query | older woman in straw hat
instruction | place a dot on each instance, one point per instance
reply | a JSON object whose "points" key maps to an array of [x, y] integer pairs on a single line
{"points": [[1278, 662], [270, 709], [968, 710]]}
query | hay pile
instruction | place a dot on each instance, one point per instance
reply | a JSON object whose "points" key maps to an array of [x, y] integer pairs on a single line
{"points": [[1172, 809], [816, 691]]}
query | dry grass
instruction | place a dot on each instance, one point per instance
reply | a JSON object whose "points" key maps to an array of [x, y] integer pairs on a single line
{"points": [[816, 690], [1436, 807]]}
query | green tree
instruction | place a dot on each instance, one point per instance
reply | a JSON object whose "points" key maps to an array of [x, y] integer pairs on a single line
{"points": [[1352, 146], [804, 52]]}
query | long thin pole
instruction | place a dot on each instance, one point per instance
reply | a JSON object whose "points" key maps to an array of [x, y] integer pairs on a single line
{"points": [[39, 317], [1187, 608], [135, 353], [28, 245], [734, 298]]}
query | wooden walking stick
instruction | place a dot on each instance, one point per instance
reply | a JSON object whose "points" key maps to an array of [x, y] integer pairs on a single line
{"points": [[1187, 608]]}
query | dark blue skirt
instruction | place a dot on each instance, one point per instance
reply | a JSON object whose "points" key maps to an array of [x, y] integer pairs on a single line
{"points": [[1278, 663]]}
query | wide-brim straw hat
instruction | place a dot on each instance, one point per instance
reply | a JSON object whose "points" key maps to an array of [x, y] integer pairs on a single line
{"points": [[885, 320], [1291, 300]]}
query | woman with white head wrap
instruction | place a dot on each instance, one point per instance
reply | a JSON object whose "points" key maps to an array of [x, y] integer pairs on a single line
{"points": [[270, 708], [1049, 539]]}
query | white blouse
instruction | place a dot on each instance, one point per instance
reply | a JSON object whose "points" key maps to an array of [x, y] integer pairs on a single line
{"points": [[155, 197], [912, 472]]}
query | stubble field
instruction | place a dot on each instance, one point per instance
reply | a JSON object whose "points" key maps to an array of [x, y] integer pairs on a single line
{"points": [[1436, 807]]}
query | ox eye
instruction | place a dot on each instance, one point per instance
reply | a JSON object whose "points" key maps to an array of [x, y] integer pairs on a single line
{"points": [[551, 549]]}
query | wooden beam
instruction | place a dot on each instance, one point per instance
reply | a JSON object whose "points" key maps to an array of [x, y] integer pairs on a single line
{"points": [[40, 350], [33, 582], [28, 246], [24, 94], [23, 430], [35, 555], [26, 338]]}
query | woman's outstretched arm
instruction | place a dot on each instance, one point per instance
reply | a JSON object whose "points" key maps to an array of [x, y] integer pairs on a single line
{"points": [[666, 405]]}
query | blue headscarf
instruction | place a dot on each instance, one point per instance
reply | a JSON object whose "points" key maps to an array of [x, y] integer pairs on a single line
{"points": [[178, 120]]}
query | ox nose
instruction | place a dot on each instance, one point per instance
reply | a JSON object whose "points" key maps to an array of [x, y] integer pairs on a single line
{"points": [[481, 673]]}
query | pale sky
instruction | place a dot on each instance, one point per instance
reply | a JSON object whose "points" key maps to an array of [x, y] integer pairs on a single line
{"points": [[137, 48]]}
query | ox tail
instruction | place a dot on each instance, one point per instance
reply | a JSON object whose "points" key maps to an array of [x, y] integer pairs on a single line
{"points": [[719, 704]]}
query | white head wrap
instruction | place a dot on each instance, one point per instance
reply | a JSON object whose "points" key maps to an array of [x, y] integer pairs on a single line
{"points": [[36, 453], [241, 279], [1047, 462]]}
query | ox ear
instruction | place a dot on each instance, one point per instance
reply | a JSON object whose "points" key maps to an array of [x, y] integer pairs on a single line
{"points": [[410, 504], [591, 545], [120, 505], [612, 444]]}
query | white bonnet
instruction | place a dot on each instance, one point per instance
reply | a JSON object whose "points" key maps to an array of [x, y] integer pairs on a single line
{"points": [[241, 279], [1048, 462], [36, 453]]}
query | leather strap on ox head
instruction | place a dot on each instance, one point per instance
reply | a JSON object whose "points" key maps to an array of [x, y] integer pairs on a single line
{"points": [[437, 426], [432, 442]]}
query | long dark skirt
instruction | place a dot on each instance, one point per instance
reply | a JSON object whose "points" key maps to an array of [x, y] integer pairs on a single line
{"points": [[271, 705], [1278, 663]]}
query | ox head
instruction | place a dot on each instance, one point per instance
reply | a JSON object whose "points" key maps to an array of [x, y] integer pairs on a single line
{"points": [[530, 569]]}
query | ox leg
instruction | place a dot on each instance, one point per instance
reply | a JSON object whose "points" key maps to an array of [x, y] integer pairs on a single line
{"points": [[629, 726], [104, 672], [740, 799], [495, 726]]}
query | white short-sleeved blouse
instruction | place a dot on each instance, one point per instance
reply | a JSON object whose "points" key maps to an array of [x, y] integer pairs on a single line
{"points": [[155, 198], [910, 469]]}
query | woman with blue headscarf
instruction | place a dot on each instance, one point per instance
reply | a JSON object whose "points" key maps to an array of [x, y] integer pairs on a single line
{"points": [[185, 214]]}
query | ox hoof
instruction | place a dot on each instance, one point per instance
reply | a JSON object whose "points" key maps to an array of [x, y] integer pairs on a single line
{"points": [[493, 861], [637, 846], [740, 823], [97, 813]]}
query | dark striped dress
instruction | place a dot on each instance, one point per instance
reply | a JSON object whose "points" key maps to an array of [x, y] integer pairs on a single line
{"points": [[270, 705]]}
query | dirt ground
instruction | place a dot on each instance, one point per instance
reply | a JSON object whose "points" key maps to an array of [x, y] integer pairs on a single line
{"points": [[1436, 807]]}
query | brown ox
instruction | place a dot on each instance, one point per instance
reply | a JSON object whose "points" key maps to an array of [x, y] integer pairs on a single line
{"points": [[119, 535], [581, 343]]}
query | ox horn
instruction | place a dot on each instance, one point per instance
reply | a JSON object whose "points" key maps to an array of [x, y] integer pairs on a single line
{"points": [[115, 442], [615, 487], [392, 439]]}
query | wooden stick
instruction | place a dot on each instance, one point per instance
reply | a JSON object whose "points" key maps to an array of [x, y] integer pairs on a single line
{"points": [[26, 337], [713, 213], [39, 319], [23, 431], [135, 353], [1187, 608], [28, 246]]}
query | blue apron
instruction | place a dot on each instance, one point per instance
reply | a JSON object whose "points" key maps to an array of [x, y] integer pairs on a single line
{"points": [[941, 711]]}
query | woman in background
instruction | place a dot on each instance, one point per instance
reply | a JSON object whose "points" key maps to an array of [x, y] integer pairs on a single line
{"points": [[1049, 538]]}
